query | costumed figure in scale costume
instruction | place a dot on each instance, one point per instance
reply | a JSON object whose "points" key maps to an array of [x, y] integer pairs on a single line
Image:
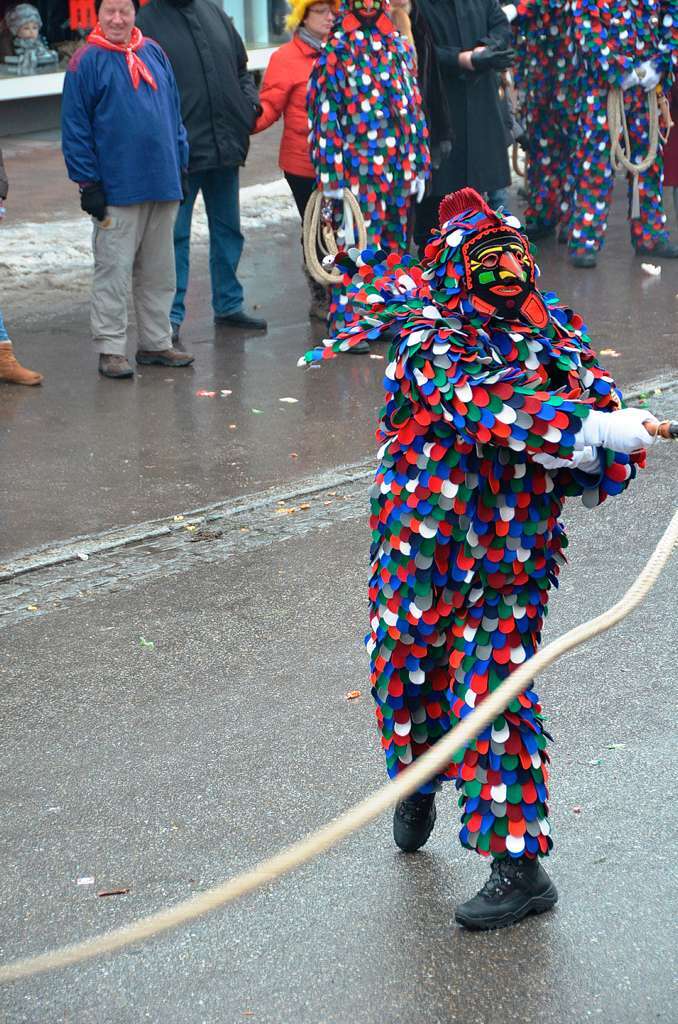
{"points": [[368, 132], [497, 410], [631, 45], [546, 79]]}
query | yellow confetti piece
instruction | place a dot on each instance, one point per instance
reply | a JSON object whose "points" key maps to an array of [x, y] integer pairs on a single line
{"points": [[31, 607], [305, 505], [178, 519], [609, 352], [190, 528]]}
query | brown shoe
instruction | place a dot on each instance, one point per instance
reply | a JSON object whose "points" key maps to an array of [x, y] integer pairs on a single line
{"points": [[114, 366], [166, 357], [12, 372]]}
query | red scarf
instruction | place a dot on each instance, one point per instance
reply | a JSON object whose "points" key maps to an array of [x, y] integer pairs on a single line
{"points": [[137, 68]]}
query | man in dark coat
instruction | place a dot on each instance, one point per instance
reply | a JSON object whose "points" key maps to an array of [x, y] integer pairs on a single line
{"points": [[219, 105], [472, 43]]}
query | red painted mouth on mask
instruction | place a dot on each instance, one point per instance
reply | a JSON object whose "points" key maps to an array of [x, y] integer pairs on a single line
{"points": [[506, 289]]}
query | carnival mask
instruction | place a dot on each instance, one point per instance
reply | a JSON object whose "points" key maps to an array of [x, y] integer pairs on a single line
{"points": [[500, 276]]}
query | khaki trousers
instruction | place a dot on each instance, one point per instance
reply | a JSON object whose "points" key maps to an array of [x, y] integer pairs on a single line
{"points": [[134, 243]]}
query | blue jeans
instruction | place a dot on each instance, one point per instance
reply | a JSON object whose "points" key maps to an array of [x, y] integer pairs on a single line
{"points": [[220, 191], [498, 197], [4, 336]]}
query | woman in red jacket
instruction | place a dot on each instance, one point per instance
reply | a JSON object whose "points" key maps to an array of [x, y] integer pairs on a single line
{"points": [[283, 93]]}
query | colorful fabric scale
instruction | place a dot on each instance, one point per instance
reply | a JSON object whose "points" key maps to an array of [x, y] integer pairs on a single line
{"points": [[466, 536], [606, 42], [546, 79], [368, 132]]}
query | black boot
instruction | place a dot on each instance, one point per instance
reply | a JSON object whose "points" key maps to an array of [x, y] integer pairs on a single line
{"points": [[413, 821], [514, 889]]}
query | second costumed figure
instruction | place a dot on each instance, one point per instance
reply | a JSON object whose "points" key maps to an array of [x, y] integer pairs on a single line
{"points": [[497, 410], [368, 132]]}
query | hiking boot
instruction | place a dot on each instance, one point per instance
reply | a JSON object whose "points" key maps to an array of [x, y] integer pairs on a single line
{"points": [[11, 371], [413, 821], [584, 260], [242, 320], [515, 888], [663, 250], [114, 366], [319, 308], [165, 357]]}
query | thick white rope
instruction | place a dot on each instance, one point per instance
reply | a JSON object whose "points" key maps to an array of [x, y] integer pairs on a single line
{"points": [[438, 757], [620, 142], [318, 236]]}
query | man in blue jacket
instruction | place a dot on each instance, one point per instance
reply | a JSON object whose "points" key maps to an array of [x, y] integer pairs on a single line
{"points": [[125, 145]]}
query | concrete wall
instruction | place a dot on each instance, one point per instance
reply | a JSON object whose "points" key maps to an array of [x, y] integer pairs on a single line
{"points": [[39, 113]]}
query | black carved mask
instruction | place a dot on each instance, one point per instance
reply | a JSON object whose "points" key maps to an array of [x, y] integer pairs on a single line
{"points": [[500, 271]]}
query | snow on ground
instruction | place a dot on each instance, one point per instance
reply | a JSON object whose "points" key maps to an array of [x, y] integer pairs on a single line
{"points": [[58, 254]]}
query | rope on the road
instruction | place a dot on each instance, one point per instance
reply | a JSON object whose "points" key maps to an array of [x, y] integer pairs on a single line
{"points": [[318, 235], [410, 780], [620, 142]]}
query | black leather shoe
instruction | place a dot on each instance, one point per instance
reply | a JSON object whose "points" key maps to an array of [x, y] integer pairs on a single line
{"points": [[514, 889], [584, 260], [241, 320], [664, 250], [536, 230], [413, 821]]}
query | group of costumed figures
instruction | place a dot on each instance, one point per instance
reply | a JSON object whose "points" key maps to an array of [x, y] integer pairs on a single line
{"points": [[497, 410], [369, 133]]}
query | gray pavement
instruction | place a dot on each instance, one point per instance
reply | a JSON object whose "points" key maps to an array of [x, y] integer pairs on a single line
{"points": [[108, 453], [165, 770]]}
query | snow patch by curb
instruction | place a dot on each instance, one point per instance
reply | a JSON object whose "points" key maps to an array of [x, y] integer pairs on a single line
{"points": [[59, 253]]}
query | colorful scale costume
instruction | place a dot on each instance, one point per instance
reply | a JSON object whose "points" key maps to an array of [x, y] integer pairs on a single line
{"points": [[467, 540], [368, 132], [607, 41], [545, 77]]}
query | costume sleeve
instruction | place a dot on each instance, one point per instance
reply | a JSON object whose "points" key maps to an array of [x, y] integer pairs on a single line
{"points": [[77, 139], [274, 94], [418, 134], [596, 43], [668, 40], [325, 102]]}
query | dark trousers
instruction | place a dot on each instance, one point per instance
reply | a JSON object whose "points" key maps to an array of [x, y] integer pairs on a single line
{"points": [[220, 191], [302, 188]]}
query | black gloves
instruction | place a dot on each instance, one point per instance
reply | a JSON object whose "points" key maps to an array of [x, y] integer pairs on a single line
{"points": [[497, 60], [93, 200], [185, 186]]}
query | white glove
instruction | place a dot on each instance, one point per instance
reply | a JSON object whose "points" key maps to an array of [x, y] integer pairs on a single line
{"points": [[332, 193], [417, 189], [630, 79], [648, 76], [586, 459], [621, 430], [510, 10]]}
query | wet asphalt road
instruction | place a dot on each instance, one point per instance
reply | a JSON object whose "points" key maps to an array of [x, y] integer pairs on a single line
{"points": [[107, 453], [166, 770]]}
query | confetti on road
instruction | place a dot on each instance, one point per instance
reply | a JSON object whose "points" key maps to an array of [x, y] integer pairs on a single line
{"points": [[353, 694], [609, 352], [148, 645], [290, 401], [205, 394], [651, 269]]}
